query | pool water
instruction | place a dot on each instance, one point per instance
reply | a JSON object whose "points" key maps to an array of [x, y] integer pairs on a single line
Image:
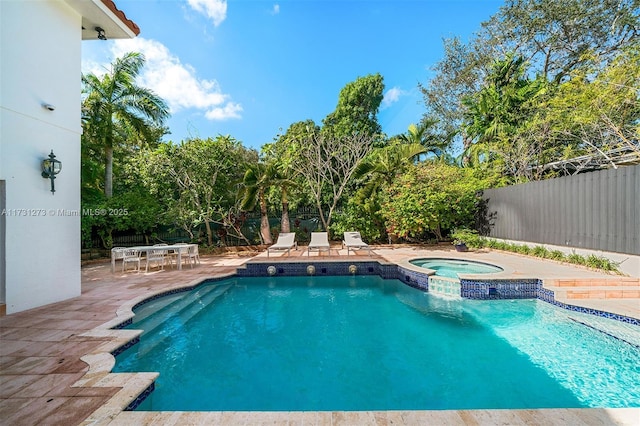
{"points": [[452, 267], [364, 343]]}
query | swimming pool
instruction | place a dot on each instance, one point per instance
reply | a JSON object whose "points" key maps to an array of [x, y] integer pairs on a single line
{"points": [[364, 343], [452, 267]]}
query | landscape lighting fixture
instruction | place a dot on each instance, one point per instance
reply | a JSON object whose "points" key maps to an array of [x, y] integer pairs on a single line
{"points": [[50, 168], [101, 34]]}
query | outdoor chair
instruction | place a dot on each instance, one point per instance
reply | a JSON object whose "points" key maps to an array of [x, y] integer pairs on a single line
{"points": [[319, 242], [286, 241], [169, 255], [117, 253], [156, 256], [192, 255], [353, 241], [130, 256]]}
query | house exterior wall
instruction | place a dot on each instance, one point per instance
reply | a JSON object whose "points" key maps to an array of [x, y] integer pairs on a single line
{"points": [[40, 44]]}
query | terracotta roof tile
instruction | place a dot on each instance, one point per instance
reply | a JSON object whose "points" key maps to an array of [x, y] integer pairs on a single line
{"points": [[120, 14]]}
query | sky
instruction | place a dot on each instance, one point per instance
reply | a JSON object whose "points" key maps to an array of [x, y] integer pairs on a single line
{"points": [[251, 68]]}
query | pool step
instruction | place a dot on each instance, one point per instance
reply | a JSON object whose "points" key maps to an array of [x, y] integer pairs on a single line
{"points": [[179, 317], [178, 306]]}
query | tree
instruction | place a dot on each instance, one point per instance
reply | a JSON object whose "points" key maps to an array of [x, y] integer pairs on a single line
{"points": [[257, 180], [594, 117], [327, 165], [282, 155], [555, 38], [114, 104], [357, 109], [425, 134], [377, 170], [198, 181], [431, 197]]}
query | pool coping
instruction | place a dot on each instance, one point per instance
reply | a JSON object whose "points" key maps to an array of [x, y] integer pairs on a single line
{"points": [[136, 386]]}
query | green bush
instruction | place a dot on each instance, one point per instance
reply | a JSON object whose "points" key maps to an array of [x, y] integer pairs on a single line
{"points": [[540, 251], [466, 236], [577, 259], [556, 255]]}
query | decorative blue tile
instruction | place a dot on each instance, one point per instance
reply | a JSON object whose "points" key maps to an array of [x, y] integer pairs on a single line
{"points": [[140, 398]]}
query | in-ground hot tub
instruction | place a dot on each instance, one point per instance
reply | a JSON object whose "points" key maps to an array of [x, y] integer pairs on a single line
{"points": [[452, 267]]}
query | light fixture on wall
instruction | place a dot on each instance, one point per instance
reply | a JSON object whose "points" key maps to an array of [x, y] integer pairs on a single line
{"points": [[101, 34], [50, 168]]}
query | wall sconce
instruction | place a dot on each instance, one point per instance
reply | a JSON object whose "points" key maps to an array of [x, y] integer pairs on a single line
{"points": [[101, 34], [50, 168]]}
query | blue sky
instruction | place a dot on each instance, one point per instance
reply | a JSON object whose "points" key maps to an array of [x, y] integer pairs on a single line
{"points": [[250, 68]]}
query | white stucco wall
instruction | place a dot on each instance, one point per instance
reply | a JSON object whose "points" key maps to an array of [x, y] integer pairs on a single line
{"points": [[40, 47]]}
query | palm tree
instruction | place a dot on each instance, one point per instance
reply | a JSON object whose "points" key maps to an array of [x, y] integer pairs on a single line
{"points": [[424, 135], [257, 180], [114, 103], [383, 164]]}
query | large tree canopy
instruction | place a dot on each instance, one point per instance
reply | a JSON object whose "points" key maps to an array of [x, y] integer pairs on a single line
{"points": [[357, 109], [555, 38]]}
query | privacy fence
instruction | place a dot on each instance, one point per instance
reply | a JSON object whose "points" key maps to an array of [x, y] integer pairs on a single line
{"points": [[597, 210]]}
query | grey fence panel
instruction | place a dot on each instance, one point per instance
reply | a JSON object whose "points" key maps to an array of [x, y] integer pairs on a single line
{"points": [[598, 210]]}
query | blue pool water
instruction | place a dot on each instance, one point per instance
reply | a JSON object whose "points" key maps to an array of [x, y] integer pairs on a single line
{"points": [[452, 267], [363, 343]]}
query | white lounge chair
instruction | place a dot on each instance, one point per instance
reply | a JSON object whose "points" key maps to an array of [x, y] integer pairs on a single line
{"points": [[353, 241], [319, 242], [286, 241]]}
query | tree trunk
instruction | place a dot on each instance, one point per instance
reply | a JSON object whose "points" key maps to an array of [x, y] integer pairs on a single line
{"points": [[207, 225], [265, 230], [285, 225], [321, 213], [108, 171]]}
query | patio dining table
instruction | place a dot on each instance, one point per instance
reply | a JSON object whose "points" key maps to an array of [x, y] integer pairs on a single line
{"points": [[175, 248]]}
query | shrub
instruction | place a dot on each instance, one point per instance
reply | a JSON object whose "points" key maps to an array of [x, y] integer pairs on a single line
{"points": [[467, 236], [540, 251], [431, 197], [576, 258], [556, 255]]}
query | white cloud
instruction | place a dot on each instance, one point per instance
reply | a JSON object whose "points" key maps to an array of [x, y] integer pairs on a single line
{"points": [[392, 96], [216, 10], [276, 9], [177, 83], [230, 110]]}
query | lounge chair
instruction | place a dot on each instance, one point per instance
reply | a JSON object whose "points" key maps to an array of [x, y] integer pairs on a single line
{"points": [[319, 242], [353, 241], [286, 241]]}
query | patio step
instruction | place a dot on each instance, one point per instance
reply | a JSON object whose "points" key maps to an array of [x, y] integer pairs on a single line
{"points": [[600, 292], [595, 282]]}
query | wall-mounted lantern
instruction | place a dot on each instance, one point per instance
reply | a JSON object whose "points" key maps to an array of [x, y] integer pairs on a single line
{"points": [[101, 34], [50, 168]]}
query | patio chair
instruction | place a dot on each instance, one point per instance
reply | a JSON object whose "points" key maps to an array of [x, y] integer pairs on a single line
{"points": [[319, 242], [117, 253], [156, 256], [192, 255], [353, 241], [286, 241], [131, 255], [169, 255]]}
